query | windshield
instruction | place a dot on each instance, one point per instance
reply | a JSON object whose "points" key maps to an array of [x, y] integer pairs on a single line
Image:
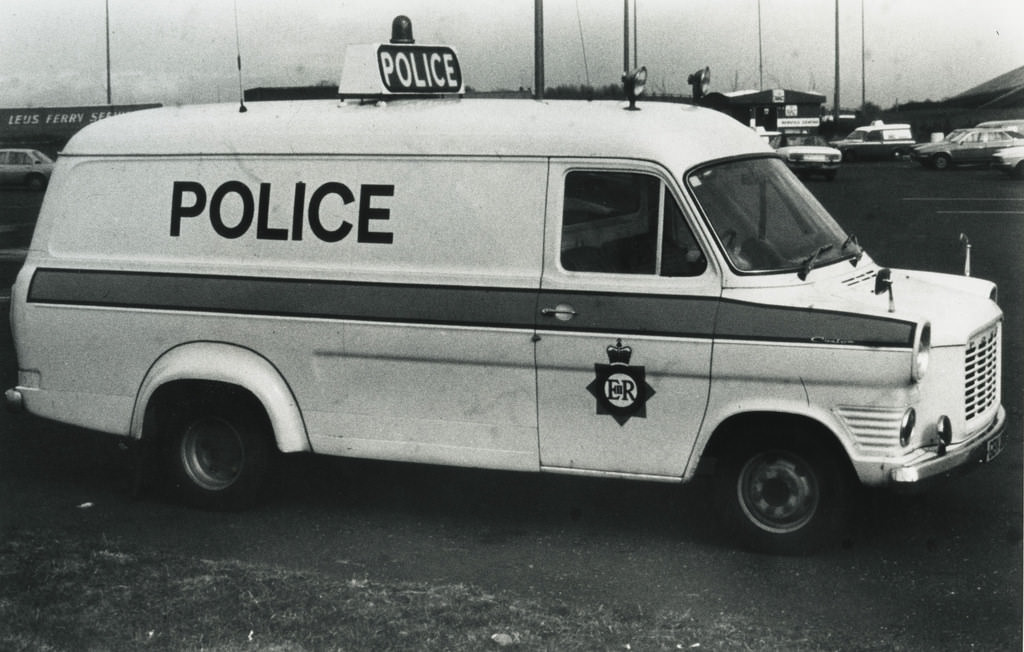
{"points": [[957, 135], [802, 141], [766, 220]]}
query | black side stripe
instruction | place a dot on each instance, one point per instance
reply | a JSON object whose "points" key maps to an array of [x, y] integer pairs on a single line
{"points": [[510, 308], [283, 297]]}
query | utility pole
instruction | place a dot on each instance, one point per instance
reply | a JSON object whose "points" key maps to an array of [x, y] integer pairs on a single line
{"points": [[538, 49], [836, 107], [625, 35], [863, 74], [107, 6], [760, 54], [636, 39]]}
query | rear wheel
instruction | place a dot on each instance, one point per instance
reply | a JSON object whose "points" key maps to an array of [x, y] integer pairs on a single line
{"points": [[782, 493], [1018, 171], [218, 449], [941, 162]]}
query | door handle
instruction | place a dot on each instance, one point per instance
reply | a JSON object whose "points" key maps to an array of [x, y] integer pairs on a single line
{"points": [[561, 312]]}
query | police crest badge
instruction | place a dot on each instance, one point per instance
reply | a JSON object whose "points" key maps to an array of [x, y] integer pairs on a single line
{"points": [[621, 390]]}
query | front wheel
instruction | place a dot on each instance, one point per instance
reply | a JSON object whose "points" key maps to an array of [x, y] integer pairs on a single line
{"points": [[35, 182], [218, 452], [782, 495]]}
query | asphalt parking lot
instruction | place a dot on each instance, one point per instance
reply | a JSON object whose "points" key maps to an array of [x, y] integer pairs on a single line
{"points": [[940, 570]]}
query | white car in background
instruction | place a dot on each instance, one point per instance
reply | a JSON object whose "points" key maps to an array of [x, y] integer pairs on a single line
{"points": [[807, 155], [1010, 160], [25, 167]]}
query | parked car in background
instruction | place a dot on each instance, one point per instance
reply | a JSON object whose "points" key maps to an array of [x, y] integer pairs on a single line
{"points": [[1010, 160], [25, 167], [965, 147], [876, 141], [1006, 125], [808, 155]]}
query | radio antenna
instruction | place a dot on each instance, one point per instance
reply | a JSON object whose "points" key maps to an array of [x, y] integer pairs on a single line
{"points": [[238, 53], [583, 44]]}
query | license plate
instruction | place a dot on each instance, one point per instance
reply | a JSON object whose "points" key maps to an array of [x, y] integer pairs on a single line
{"points": [[817, 158], [995, 447]]}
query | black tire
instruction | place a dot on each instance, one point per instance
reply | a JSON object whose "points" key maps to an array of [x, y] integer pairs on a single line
{"points": [[849, 155], [942, 162], [218, 450], [1018, 171], [782, 493], [35, 182]]}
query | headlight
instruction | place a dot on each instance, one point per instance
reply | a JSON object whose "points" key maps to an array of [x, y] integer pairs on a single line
{"points": [[922, 351], [907, 426]]}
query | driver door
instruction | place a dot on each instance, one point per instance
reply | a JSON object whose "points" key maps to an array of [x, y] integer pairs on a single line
{"points": [[625, 320]]}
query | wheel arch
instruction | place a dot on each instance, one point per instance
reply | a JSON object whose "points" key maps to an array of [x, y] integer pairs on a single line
{"points": [[738, 429], [229, 364]]}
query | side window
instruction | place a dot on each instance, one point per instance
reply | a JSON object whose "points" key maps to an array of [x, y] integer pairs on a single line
{"points": [[610, 224], [680, 254]]}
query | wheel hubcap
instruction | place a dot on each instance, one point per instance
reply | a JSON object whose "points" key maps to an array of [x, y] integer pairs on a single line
{"points": [[778, 492], [212, 453]]}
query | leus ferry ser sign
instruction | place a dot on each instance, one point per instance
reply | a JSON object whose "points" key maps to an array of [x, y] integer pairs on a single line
{"points": [[58, 120]]}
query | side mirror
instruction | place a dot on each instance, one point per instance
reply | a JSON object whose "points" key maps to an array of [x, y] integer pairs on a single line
{"points": [[883, 283], [883, 280]]}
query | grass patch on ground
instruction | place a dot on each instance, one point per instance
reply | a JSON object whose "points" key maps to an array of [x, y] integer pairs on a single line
{"points": [[59, 592]]}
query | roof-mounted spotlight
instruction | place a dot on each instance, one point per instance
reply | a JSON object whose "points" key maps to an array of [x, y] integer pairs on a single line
{"points": [[401, 30], [633, 83], [700, 82]]}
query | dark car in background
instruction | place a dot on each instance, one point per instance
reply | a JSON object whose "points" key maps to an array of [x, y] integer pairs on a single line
{"points": [[25, 167], [975, 146], [876, 141]]}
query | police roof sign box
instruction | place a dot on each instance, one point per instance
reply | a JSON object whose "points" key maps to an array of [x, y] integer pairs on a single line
{"points": [[400, 68], [379, 70]]}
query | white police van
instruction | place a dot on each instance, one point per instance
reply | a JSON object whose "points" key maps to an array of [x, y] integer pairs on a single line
{"points": [[574, 287]]}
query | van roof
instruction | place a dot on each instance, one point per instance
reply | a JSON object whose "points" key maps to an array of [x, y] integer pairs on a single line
{"points": [[679, 135]]}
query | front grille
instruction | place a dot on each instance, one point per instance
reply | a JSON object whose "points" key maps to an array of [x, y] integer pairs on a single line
{"points": [[981, 373]]}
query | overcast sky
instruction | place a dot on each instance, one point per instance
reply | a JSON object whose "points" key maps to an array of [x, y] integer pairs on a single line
{"points": [[53, 52]]}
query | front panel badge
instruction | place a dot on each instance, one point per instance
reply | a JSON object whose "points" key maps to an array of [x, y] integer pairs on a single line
{"points": [[621, 390]]}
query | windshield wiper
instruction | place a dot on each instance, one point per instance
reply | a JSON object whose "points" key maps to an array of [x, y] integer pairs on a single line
{"points": [[808, 264], [852, 240]]}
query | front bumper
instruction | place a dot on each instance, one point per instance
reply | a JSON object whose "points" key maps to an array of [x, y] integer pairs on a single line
{"points": [[812, 166], [983, 448]]}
